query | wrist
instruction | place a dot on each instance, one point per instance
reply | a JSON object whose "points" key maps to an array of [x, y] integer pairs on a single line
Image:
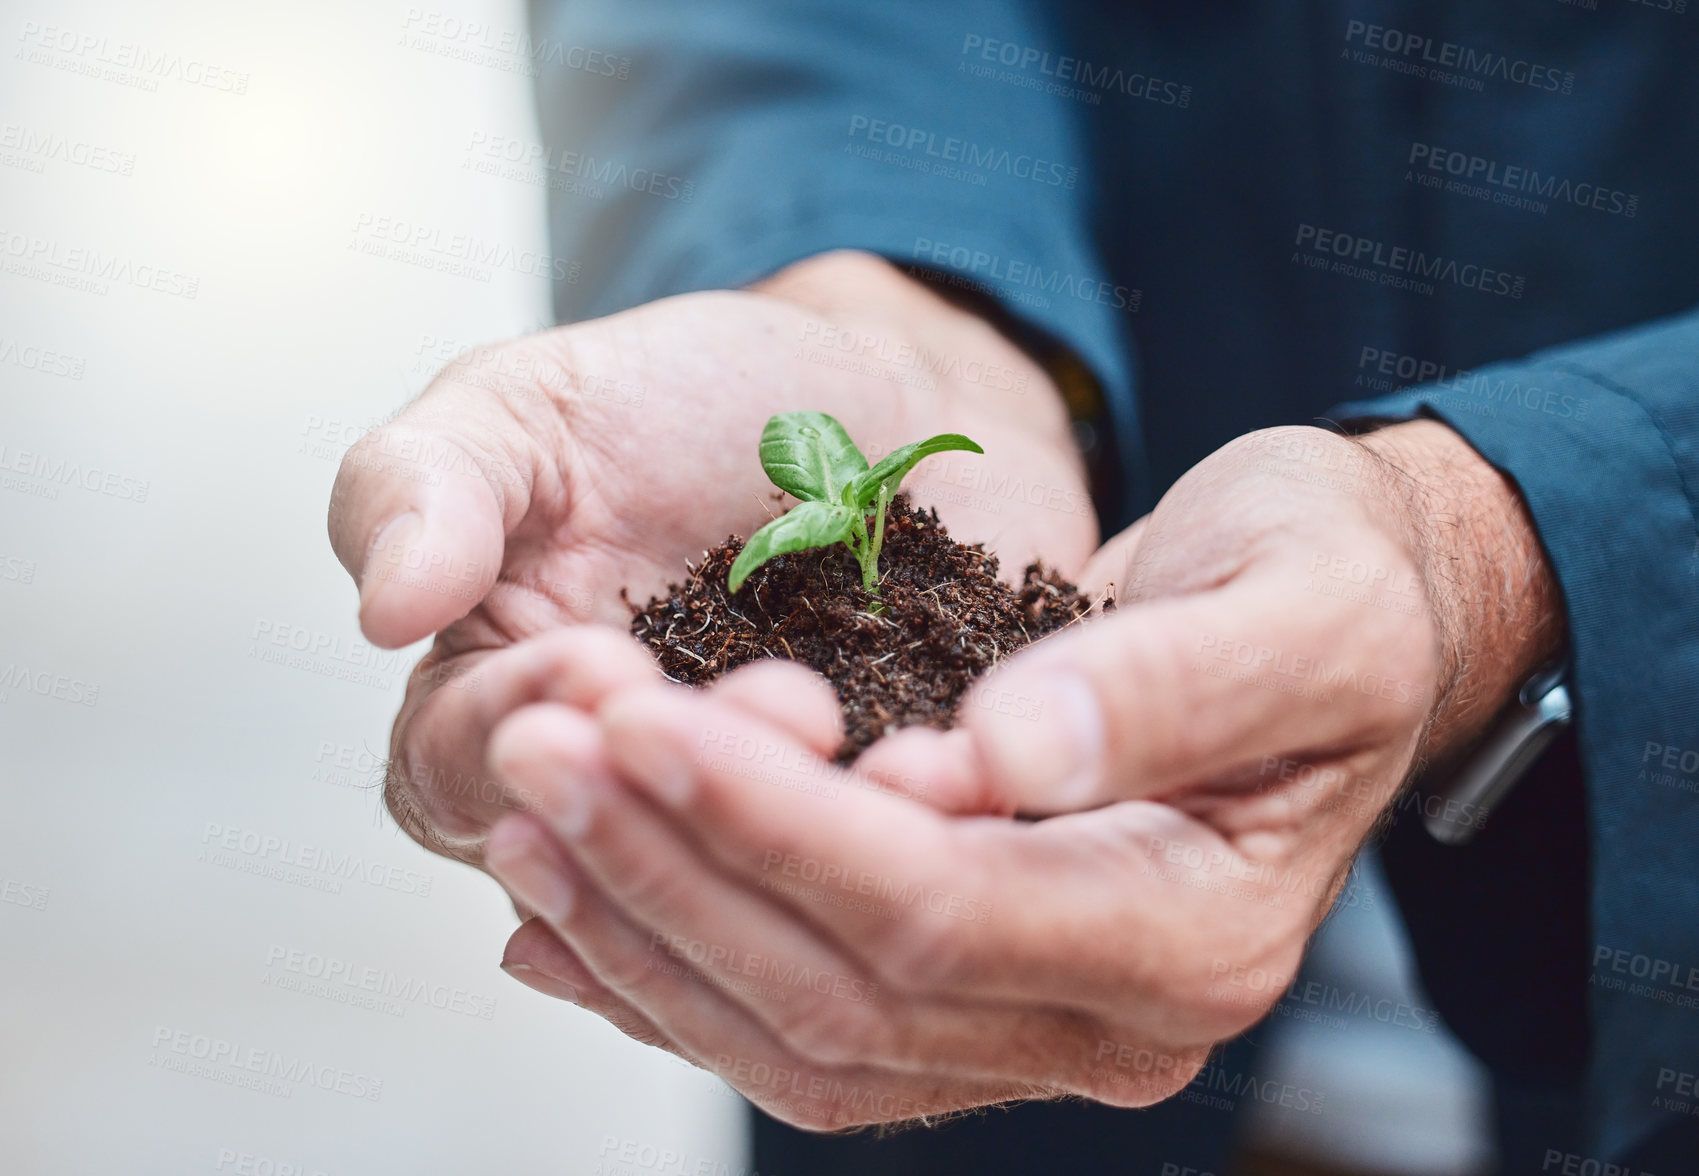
{"points": [[1495, 603], [969, 364]]}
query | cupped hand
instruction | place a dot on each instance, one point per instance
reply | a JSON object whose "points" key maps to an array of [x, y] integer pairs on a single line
{"points": [[1302, 617], [534, 482]]}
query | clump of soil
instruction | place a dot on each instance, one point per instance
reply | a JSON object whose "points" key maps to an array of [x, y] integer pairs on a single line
{"points": [[947, 619]]}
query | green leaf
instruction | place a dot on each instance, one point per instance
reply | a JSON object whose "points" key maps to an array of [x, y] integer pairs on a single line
{"points": [[896, 465], [810, 455], [809, 524]]}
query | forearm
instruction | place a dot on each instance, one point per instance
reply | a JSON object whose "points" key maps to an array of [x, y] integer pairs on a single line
{"points": [[881, 315]]}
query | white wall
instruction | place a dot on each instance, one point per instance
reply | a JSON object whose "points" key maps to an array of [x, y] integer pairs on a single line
{"points": [[231, 407]]}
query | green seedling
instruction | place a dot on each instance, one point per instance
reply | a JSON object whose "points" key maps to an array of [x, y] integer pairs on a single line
{"points": [[809, 455]]}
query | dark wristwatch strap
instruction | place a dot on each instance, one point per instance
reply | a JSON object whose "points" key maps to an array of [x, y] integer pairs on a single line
{"points": [[1538, 714]]}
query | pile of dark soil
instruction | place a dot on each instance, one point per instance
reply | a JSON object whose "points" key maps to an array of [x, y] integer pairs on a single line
{"points": [[947, 619]]}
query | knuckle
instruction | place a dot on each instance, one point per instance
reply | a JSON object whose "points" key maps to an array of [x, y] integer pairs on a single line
{"points": [[926, 955], [627, 973], [829, 1031], [656, 890]]}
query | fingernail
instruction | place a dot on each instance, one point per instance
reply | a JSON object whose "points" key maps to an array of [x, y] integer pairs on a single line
{"points": [[657, 763], [540, 981], [1043, 736], [530, 878], [566, 806], [389, 549]]}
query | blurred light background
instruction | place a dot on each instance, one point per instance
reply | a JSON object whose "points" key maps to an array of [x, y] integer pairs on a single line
{"points": [[199, 877]]}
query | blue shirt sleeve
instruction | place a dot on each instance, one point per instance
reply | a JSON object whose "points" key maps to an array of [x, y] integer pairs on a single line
{"points": [[784, 130], [1602, 437]]}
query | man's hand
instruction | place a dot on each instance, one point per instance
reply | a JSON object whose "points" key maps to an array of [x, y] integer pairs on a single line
{"points": [[534, 482], [1303, 616]]}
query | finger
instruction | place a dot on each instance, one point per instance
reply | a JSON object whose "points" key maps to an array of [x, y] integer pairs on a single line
{"points": [[422, 506], [966, 909], [437, 786], [910, 762], [536, 958], [937, 768], [699, 1018], [791, 697], [735, 937], [1109, 566], [822, 1004], [894, 882], [1181, 689]]}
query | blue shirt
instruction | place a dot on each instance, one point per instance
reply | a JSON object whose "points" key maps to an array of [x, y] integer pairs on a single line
{"points": [[1253, 214]]}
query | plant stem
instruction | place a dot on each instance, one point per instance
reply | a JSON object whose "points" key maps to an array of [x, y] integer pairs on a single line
{"points": [[878, 534]]}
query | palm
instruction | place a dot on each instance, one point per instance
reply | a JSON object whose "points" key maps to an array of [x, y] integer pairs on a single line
{"points": [[658, 461], [620, 449]]}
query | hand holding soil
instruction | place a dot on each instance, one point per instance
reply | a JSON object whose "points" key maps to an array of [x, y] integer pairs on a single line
{"points": [[536, 481], [1217, 749], [901, 641]]}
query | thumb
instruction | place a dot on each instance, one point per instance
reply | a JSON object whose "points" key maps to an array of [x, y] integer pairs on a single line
{"points": [[1154, 696], [422, 506]]}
